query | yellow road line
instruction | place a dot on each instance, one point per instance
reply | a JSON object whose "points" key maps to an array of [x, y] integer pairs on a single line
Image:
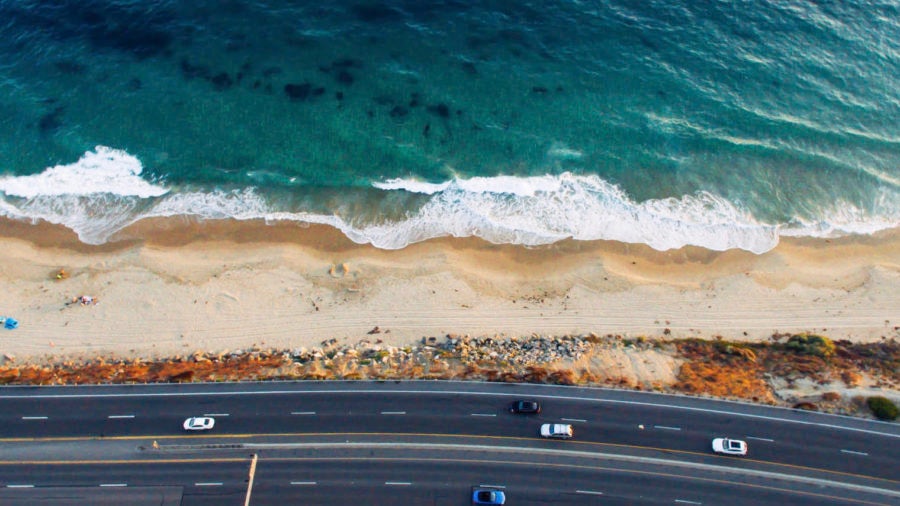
{"points": [[413, 434], [101, 461]]}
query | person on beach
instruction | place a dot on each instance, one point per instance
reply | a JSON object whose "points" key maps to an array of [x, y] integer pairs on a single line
{"points": [[85, 300]]}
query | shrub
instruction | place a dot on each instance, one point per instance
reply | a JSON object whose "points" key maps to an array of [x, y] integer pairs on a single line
{"points": [[883, 408], [811, 344], [831, 396]]}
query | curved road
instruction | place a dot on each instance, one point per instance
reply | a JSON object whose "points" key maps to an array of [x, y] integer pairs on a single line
{"points": [[427, 443]]}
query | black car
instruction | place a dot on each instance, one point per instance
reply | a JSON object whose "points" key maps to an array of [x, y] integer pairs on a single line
{"points": [[525, 407]]}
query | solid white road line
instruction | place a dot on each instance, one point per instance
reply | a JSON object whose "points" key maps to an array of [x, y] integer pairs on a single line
{"points": [[864, 454], [590, 492], [761, 439], [404, 483], [492, 486], [215, 414], [20, 486], [666, 428], [573, 420], [34, 418], [303, 483], [484, 414], [113, 484], [454, 392], [120, 416], [682, 501], [208, 484], [393, 412], [303, 412]]}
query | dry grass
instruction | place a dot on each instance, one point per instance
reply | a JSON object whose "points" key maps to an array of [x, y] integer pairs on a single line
{"points": [[723, 369], [724, 380]]}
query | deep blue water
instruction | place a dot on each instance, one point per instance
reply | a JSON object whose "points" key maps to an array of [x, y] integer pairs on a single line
{"points": [[718, 124]]}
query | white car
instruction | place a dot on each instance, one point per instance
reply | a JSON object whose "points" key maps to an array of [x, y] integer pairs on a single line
{"points": [[729, 446], [199, 423], [557, 430]]}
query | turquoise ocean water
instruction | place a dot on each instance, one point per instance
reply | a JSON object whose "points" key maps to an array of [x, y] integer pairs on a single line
{"points": [[669, 123]]}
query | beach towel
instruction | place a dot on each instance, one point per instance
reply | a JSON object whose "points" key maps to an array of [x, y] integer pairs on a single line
{"points": [[9, 323]]}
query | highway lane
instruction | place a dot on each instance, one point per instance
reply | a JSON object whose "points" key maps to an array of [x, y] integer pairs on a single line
{"points": [[864, 451], [557, 482], [198, 482], [386, 476]]}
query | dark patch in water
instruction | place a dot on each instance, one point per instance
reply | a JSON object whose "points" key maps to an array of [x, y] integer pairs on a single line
{"points": [[346, 63], [469, 68], [222, 81], [127, 28], [339, 95], [539, 89], [297, 92], [414, 100], [399, 112], [442, 110], [374, 12], [426, 130], [345, 78], [70, 67], [141, 29], [383, 100], [191, 71], [134, 84], [51, 121], [271, 71]]}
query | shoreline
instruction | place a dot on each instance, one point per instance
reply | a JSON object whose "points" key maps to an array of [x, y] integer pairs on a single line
{"points": [[173, 286]]}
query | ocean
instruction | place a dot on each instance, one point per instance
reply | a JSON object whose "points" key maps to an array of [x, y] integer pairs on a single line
{"points": [[668, 123]]}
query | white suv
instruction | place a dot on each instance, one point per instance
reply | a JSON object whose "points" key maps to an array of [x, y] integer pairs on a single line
{"points": [[729, 446]]}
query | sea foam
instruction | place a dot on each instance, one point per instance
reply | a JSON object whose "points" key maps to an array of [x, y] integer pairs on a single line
{"points": [[103, 192], [544, 209], [104, 170]]}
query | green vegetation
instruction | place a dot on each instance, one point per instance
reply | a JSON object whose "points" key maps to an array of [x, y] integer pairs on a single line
{"points": [[811, 344], [883, 408]]}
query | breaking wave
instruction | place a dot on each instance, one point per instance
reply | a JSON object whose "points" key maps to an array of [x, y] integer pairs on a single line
{"points": [[103, 192]]}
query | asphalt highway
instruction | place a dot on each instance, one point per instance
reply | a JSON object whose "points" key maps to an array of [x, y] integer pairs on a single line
{"points": [[429, 442]]}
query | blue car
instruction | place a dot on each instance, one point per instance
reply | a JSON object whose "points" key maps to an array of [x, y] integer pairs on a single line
{"points": [[488, 496]]}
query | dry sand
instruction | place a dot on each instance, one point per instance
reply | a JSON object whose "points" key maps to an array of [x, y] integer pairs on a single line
{"points": [[217, 286]]}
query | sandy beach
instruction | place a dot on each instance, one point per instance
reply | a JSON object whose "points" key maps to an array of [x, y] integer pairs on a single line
{"points": [[172, 287]]}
